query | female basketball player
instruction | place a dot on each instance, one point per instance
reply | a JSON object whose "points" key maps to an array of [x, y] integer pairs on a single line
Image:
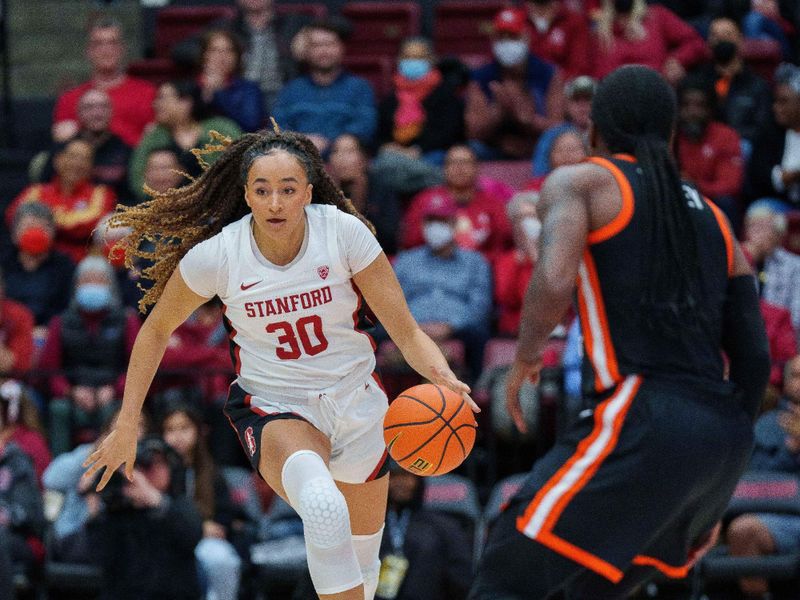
{"points": [[266, 230]]}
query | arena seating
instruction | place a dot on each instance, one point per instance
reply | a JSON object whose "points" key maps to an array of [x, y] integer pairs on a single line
{"points": [[175, 24], [763, 56], [155, 70], [792, 242], [380, 27], [464, 27], [377, 70], [515, 173], [314, 10]]}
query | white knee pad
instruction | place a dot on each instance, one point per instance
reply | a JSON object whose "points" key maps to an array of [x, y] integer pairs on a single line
{"points": [[313, 494], [368, 548]]}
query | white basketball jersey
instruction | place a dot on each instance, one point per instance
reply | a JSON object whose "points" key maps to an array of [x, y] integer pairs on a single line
{"points": [[293, 329]]}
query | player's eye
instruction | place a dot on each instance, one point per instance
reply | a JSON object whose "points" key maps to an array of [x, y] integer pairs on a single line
{"points": [[261, 191], [288, 190]]}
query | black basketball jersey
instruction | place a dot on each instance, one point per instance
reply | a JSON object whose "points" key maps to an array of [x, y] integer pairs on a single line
{"points": [[612, 280]]}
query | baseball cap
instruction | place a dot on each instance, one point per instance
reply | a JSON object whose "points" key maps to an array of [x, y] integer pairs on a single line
{"points": [[582, 85], [438, 206], [509, 20]]}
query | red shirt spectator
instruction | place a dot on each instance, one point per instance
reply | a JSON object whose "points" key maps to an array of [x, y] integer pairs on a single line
{"points": [[661, 40], [714, 162], [77, 204], [131, 99], [781, 336], [512, 273], [561, 36], [20, 424], [32, 443], [16, 337]]}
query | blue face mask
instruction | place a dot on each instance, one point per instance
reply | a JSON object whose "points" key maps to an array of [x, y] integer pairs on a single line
{"points": [[414, 68], [93, 297]]}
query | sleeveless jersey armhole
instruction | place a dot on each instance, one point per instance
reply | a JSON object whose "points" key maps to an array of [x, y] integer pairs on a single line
{"points": [[625, 214], [726, 233]]}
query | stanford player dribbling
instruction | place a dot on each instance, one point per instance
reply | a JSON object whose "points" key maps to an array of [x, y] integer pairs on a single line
{"points": [[266, 230]]}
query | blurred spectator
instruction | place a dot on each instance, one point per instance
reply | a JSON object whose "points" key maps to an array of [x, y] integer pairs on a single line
{"points": [[182, 125], [422, 116], [16, 335], [349, 167], [19, 423], [578, 94], [76, 202], [630, 31], [481, 222], [777, 270], [560, 35], [131, 98], [145, 535], [432, 545], [182, 428], [266, 38], [514, 98], [765, 22], [777, 448], [775, 165], [745, 100], [85, 355], [568, 147], [224, 90], [709, 153], [513, 268], [328, 101], [162, 170], [37, 275], [104, 238], [448, 288], [782, 339], [21, 515]]}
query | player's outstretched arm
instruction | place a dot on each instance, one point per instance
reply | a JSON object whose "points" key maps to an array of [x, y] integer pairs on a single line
{"points": [[177, 302], [385, 297]]}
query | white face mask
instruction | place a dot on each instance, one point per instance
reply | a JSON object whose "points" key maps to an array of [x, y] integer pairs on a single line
{"points": [[532, 227], [510, 53], [437, 234]]}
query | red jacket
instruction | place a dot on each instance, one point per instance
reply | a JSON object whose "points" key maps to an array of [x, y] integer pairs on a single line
{"points": [[32, 443], [781, 336], [76, 214], [565, 43], [480, 225], [666, 35], [512, 273], [16, 333], [714, 164], [131, 103]]}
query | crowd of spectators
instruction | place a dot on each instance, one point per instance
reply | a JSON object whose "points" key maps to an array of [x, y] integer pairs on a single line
{"points": [[422, 160]]}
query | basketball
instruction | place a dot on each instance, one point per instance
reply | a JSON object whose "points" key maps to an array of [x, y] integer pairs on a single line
{"points": [[429, 430]]}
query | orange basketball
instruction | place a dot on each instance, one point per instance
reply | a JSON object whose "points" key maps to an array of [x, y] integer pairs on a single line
{"points": [[429, 430]]}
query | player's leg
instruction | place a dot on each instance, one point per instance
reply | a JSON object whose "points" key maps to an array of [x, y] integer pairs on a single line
{"points": [[367, 505], [293, 460], [748, 535]]}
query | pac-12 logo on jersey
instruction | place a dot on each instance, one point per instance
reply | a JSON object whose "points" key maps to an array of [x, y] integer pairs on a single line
{"points": [[250, 439], [323, 271]]}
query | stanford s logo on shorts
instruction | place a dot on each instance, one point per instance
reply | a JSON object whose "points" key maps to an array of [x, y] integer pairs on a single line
{"points": [[323, 271], [250, 439]]}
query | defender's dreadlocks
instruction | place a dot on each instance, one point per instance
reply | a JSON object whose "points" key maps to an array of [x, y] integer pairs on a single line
{"points": [[634, 112], [176, 220]]}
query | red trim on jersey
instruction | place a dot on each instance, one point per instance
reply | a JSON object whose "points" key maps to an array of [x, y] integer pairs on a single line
{"points": [[378, 467], [377, 379], [355, 315], [234, 347]]}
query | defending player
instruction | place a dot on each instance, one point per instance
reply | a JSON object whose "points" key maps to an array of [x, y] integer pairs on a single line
{"points": [[639, 482], [266, 230]]}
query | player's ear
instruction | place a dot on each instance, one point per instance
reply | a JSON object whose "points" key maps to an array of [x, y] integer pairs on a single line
{"points": [[246, 196], [309, 194]]}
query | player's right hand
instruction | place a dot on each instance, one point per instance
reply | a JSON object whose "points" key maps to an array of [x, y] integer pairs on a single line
{"points": [[519, 373], [116, 449]]}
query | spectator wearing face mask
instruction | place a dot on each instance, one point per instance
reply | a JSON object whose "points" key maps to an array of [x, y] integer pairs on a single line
{"points": [[423, 116], [709, 153], [514, 98], [86, 351], [37, 275], [560, 35], [77, 203], [513, 268], [104, 238], [448, 288], [745, 100]]}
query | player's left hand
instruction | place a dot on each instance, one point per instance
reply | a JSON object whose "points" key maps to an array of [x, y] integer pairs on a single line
{"points": [[520, 371], [446, 378]]}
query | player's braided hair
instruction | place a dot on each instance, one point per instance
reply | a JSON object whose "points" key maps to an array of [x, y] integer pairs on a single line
{"points": [[634, 111], [166, 227]]}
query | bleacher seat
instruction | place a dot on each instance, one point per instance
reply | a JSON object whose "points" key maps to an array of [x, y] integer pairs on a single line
{"points": [[380, 27], [243, 492], [792, 242], [463, 27], [313, 10], [454, 495], [375, 69], [763, 56], [501, 493], [514, 173], [757, 492], [175, 24], [154, 70]]}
